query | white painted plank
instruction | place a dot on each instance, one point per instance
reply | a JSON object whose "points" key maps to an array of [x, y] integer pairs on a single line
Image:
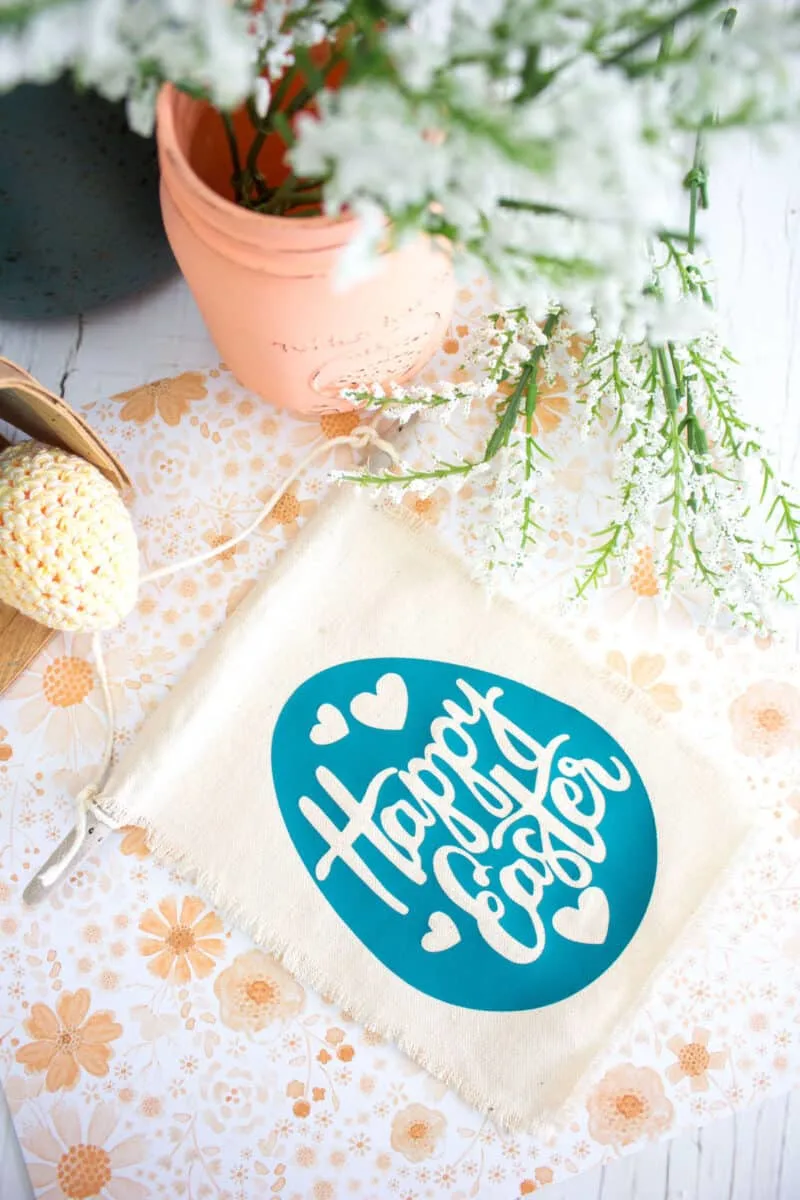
{"points": [[684, 1158], [157, 334], [789, 1174], [588, 1186], [716, 1144], [768, 1148], [753, 234], [746, 1128], [14, 1182], [754, 1155], [43, 350], [149, 337]]}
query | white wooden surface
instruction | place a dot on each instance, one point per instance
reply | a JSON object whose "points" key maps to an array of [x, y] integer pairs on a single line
{"points": [[755, 242]]}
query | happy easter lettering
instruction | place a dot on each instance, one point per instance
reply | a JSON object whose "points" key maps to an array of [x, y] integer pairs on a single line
{"points": [[544, 802]]}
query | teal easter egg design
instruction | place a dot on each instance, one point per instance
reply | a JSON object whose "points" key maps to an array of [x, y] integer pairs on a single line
{"points": [[494, 847]]}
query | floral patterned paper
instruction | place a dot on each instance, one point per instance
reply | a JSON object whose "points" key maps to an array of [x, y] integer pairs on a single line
{"points": [[147, 1049]]}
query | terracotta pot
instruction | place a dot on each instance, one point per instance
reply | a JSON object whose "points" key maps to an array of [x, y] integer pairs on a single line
{"points": [[264, 284]]}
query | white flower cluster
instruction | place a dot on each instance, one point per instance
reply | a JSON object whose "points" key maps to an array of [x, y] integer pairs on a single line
{"points": [[685, 478], [496, 348], [125, 49], [544, 140], [692, 483]]}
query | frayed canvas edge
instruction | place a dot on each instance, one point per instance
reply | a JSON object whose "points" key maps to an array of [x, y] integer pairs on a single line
{"points": [[681, 942], [299, 964]]}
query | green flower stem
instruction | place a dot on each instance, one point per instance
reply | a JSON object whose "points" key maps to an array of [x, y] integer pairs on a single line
{"points": [[667, 379], [236, 162], [602, 557], [508, 418], [658, 31], [787, 510], [317, 81], [530, 411], [396, 402], [279, 95], [443, 472], [697, 183], [252, 175], [250, 187], [674, 445], [293, 193]]}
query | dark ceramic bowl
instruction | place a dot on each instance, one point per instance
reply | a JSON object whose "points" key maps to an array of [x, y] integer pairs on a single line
{"points": [[80, 221]]}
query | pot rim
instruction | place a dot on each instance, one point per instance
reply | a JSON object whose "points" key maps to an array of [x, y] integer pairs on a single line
{"points": [[249, 223]]}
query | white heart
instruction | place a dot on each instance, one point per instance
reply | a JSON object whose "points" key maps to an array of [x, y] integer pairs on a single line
{"points": [[588, 922], [386, 707], [330, 727], [442, 933]]}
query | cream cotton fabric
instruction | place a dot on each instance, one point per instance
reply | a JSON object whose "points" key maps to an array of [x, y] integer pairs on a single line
{"points": [[360, 584]]}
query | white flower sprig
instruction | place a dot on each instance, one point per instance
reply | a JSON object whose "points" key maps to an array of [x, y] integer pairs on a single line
{"points": [[693, 483], [540, 141]]}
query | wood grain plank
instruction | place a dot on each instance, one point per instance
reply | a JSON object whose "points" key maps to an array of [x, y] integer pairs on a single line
{"points": [[789, 1171], [14, 1181], [21, 639], [716, 1147], [684, 1156]]}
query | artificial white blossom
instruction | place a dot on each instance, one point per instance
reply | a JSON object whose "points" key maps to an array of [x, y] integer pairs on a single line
{"points": [[544, 145], [261, 96], [126, 48]]}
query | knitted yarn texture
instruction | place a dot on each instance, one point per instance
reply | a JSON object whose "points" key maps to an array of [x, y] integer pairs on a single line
{"points": [[68, 550]]}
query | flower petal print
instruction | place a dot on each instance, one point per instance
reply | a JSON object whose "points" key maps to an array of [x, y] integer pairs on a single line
{"points": [[793, 802], [66, 1041], [638, 596], [170, 398], [331, 425], [219, 534], [627, 1104], [78, 1166], [552, 402], [288, 513], [256, 990], [416, 1131], [181, 945], [766, 719], [644, 672], [694, 1060], [427, 507], [134, 841], [60, 696]]}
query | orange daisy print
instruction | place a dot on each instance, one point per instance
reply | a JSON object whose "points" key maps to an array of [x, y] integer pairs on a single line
{"points": [[180, 945], [551, 403], [134, 841], [66, 1042], [170, 398], [288, 512]]}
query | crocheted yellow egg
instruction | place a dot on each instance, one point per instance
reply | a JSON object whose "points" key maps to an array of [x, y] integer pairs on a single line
{"points": [[68, 552]]}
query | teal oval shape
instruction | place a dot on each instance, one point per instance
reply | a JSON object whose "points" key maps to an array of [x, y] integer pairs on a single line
{"points": [[494, 847]]}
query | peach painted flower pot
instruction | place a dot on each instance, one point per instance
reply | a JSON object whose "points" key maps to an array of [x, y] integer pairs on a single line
{"points": [[264, 284]]}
